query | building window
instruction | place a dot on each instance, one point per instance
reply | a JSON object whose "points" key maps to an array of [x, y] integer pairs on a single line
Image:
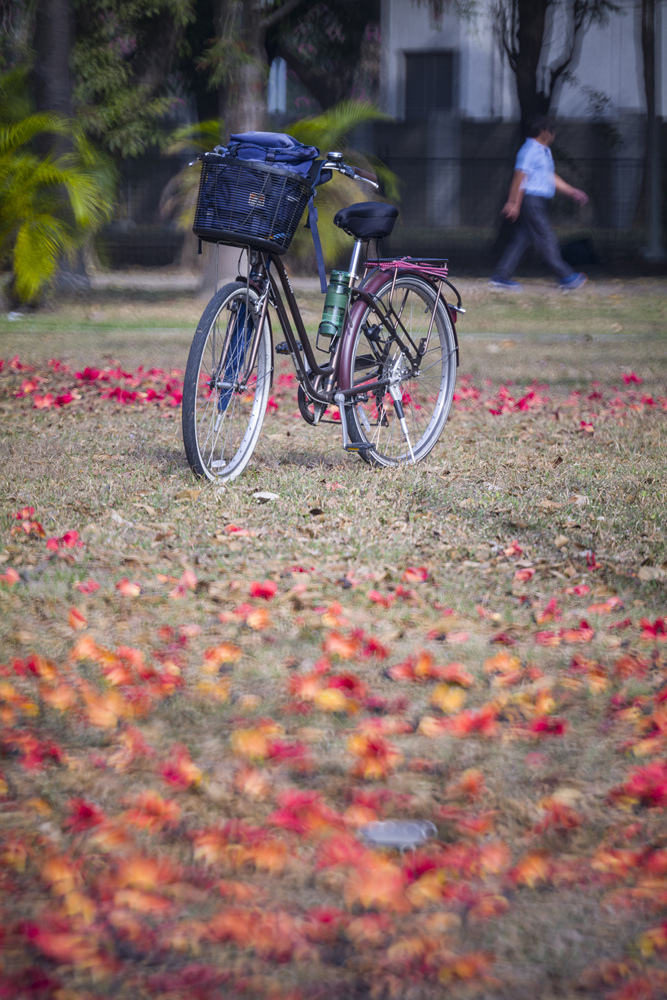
{"points": [[277, 89], [429, 83]]}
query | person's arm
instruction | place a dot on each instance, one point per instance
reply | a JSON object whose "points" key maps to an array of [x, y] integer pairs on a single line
{"points": [[578, 196], [512, 206]]}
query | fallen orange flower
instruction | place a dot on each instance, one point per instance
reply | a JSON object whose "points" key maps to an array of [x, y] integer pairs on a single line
{"points": [[469, 785], [606, 607], [532, 870], [61, 874], [550, 612], [225, 652], [502, 663], [153, 813], [483, 721], [107, 710], [384, 600], [180, 770], [253, 782], [331, 700], [66, 947], [576, 635], [188, 581], [415, 574], [379, 885], [449, 698], [376, 756], [305, 812], [77, 620], [254, 744], [494, 857], [455, 673], [345, 647], [474, 965], [132, 746], [255, 618], [371, 929], [141, 902]]}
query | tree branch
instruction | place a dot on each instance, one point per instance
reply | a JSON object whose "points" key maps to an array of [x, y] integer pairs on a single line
{"points": [[280, 12]]}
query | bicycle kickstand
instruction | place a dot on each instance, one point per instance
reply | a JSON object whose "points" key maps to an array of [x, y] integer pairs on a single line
{"points": [[348, 445], [400, 413]]}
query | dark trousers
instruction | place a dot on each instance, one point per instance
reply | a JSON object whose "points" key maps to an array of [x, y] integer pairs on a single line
{"points": [[532, 227]]}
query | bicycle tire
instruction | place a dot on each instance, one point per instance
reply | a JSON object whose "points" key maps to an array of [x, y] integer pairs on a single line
{"points": [[426, 396], [223, 403]]}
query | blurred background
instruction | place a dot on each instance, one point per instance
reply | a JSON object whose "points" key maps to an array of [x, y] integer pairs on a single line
{"points": [[104, 103]]}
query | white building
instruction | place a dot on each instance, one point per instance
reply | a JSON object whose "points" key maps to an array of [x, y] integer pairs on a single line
{"points": [[453, 99], [462, 63]]}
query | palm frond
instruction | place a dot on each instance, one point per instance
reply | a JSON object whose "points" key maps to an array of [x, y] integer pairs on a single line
{"points": [[48, 203], [40, 242], [17, 134], [333, 128], [198, 137]]}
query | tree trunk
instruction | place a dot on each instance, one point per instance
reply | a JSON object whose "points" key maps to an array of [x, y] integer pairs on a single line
{"points": [[654, 248], [52, 85], [530, 39], [242, 100], [53, 38]]}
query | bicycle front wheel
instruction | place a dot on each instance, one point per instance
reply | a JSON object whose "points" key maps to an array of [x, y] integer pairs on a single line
{"points": [[226, 384], [423, 389]]}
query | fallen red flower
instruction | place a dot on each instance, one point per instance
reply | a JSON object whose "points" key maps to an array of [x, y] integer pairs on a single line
{"points": [[548, 725]]}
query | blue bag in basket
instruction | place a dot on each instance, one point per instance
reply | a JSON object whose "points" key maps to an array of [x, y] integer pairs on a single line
{"points": [[254, 191], [276, 148]]}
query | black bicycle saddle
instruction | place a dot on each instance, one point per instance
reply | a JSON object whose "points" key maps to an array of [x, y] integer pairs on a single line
{"points": [[367, 220]]}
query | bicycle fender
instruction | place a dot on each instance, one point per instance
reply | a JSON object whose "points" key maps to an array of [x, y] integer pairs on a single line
{"points": [[370, 286], [253, 284]]}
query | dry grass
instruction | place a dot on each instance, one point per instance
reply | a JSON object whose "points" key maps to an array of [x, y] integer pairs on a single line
{"points": [[522, 527]]}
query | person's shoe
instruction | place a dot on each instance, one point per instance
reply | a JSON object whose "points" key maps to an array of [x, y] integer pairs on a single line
{"points": [[505, 283], [574, 280]]}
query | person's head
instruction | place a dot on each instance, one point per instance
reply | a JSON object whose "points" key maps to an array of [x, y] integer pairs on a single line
{"points": [[542, 127]]}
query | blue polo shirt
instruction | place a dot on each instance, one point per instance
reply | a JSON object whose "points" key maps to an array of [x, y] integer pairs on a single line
{"points": [[536, 161]]}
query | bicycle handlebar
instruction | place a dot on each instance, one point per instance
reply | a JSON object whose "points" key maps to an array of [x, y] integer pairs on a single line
{"points": [[356, 173], [366, 175]]}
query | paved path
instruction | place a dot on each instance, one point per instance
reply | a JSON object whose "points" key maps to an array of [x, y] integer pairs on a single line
{"points": [[184, 282]]}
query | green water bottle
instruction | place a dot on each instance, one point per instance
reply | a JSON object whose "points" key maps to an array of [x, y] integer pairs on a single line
{"points": [[335, 304]]}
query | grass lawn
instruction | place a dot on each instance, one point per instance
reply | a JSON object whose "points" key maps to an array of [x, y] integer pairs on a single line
{"points": [[211, 701]]}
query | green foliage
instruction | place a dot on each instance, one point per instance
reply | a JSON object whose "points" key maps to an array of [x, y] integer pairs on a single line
{"points": [[14, 100], [16, 22], [333, 130], [48, 204], [124, 53], [179, 197]]}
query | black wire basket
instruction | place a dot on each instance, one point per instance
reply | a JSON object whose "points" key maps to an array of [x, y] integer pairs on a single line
{"points": [[248, 203]]}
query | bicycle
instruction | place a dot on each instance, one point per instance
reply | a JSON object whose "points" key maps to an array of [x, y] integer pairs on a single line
{"points": [[389, 336]]}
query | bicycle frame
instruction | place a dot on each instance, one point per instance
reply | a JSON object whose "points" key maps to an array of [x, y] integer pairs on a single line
{"points": [[268, 266]]}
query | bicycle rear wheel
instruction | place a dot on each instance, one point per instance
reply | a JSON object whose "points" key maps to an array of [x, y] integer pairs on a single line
{"points": [[425, 391], [224, 392]]}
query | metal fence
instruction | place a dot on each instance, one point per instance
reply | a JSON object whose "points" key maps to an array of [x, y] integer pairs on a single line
{"points": [[465, 191], [457, 202]]}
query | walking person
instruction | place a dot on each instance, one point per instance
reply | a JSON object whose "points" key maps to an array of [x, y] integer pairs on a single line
{"points": [[533, 185]]}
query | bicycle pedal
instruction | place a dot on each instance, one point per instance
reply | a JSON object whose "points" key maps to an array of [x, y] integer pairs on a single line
{"points": [[284, 348], [361, 446]]}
